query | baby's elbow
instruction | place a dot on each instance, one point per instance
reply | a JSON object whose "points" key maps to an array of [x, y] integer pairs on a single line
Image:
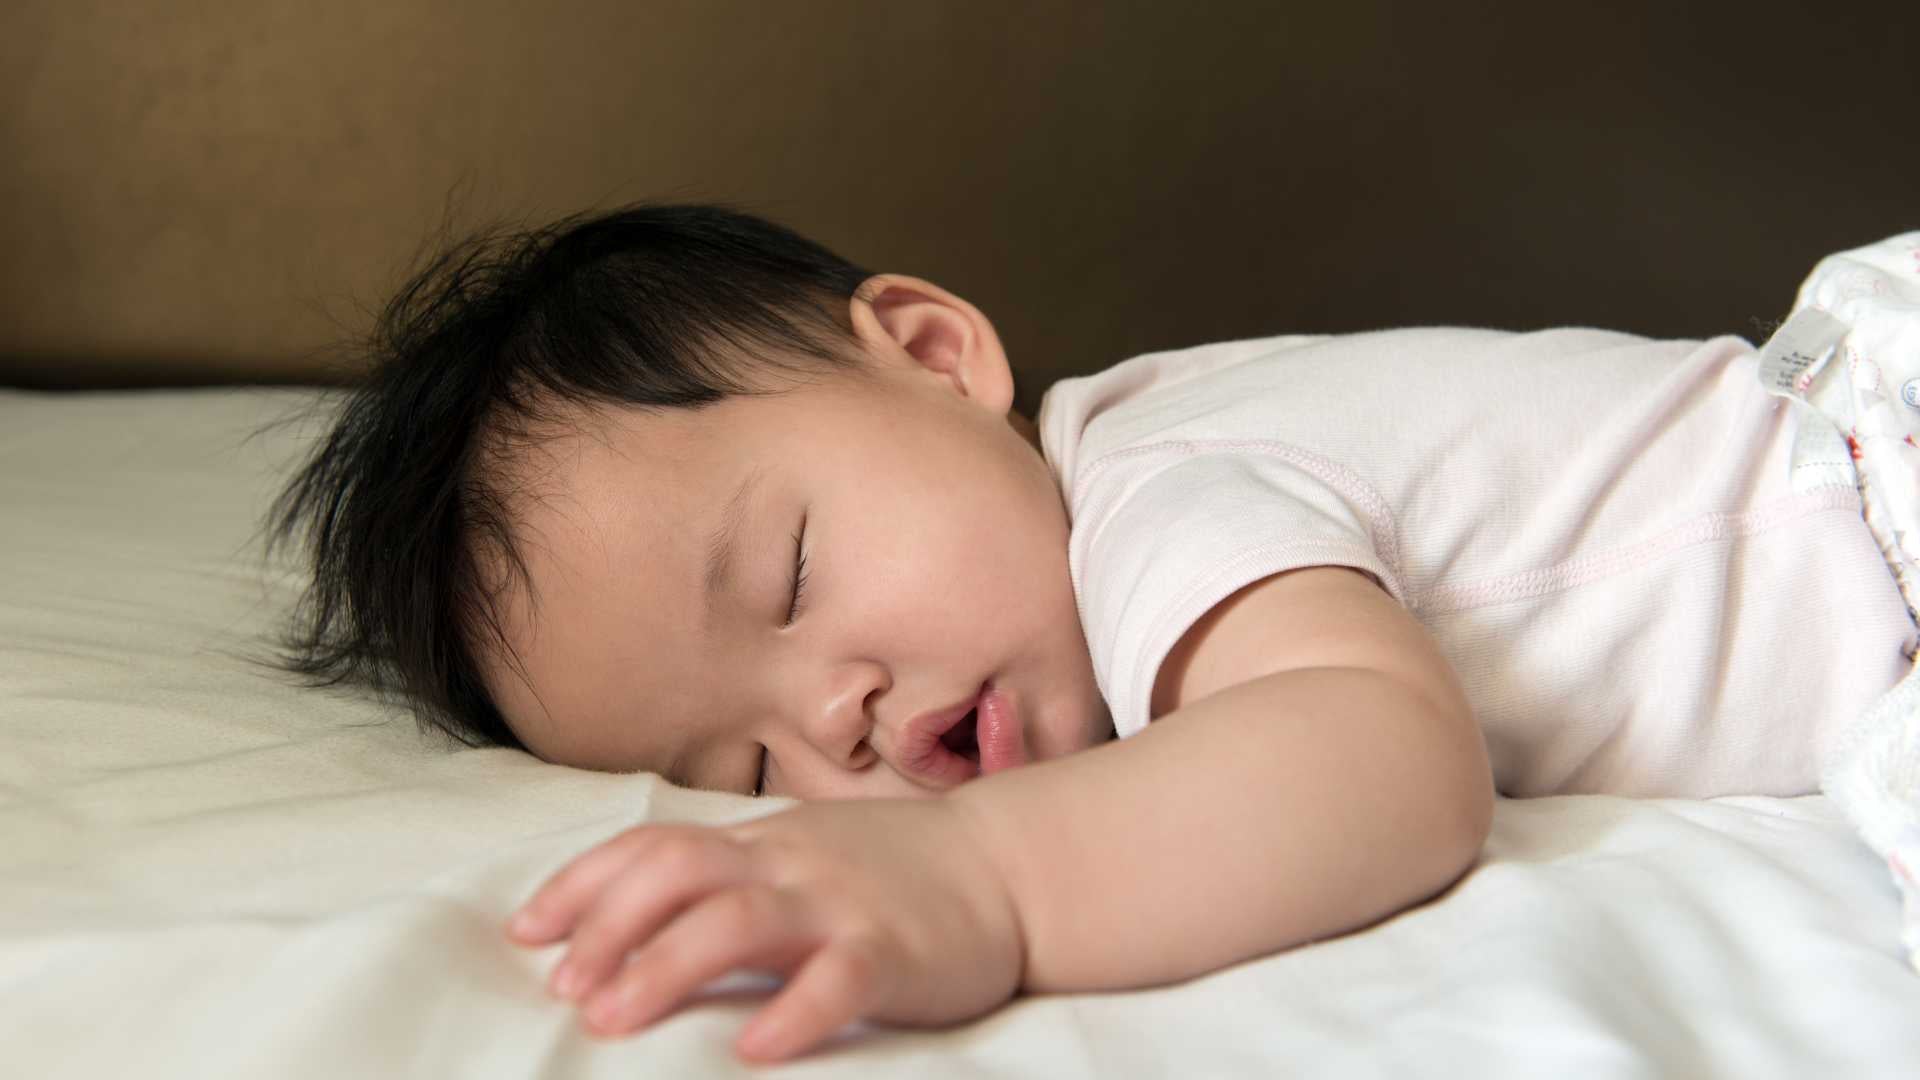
{"points": [[1468, 817], [1456, 801], [1454, 838], [1475, 823], [1460, 802]]}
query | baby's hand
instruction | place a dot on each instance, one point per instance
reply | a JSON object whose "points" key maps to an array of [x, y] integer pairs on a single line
{"points": [[888, 909]]}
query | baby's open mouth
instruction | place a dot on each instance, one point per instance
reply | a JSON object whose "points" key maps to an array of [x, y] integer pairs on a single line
{"points": [[963, 737]]}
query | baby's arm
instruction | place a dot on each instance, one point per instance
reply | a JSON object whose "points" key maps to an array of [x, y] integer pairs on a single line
{"points": [[1317, 768], [1314, 768]]}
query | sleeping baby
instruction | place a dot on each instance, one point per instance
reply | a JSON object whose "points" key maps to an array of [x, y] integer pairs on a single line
{"points": [[1225, 651]]}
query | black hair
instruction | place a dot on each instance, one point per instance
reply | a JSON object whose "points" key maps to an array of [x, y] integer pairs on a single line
{"points": [[403, 510]]}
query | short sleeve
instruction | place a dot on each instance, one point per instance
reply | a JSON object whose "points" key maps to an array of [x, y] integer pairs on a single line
{"points": [[1162, 533]]}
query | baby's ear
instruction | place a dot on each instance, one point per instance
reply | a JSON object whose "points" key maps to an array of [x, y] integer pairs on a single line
{"points": [[898, 315]]}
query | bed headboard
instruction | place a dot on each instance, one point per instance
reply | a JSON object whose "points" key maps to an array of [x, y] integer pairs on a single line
{"points": [[217, 190]]}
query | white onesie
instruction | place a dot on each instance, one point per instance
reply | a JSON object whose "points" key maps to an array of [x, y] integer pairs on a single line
{"points": [[1600, 530]]}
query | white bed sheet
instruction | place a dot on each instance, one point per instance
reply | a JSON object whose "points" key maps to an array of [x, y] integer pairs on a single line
{"points": [[208, 871]]}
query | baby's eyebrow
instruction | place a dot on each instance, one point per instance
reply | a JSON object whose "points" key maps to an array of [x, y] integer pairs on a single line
{"points": [[724, 542]]}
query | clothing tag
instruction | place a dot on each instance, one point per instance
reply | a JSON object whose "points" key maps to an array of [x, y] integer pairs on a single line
{"points": [[1789, 363], [1797, 351]]}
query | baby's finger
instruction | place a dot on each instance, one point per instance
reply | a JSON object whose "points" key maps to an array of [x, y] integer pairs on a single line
{"points": [[755, 927], [841, 983], [550, 913], [652, 889]]}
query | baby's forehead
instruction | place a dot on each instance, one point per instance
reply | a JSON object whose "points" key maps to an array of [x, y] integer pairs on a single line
{"points": [[594, 527], [527, 458], [586, 468], [552, 496]]}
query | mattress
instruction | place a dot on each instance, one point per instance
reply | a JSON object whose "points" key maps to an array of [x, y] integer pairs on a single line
{"points": [[207, 869]]}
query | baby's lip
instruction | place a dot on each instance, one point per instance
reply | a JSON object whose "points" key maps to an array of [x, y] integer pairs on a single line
{"points": [[1001, 732], [921, 749]]}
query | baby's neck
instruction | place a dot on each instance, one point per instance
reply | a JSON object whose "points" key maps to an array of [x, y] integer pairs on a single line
{"points": [[1026, 429]]}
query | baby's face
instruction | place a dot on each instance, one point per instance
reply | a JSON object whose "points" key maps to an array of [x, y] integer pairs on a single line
{"points": [[935, 547]]}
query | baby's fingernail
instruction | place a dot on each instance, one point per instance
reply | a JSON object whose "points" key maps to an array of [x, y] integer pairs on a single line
{"points": [[524, 922], [604, 1011], [566, 980], [763, 1041]]}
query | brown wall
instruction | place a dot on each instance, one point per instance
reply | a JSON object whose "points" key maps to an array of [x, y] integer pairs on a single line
{"points": [[211, 190]]}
